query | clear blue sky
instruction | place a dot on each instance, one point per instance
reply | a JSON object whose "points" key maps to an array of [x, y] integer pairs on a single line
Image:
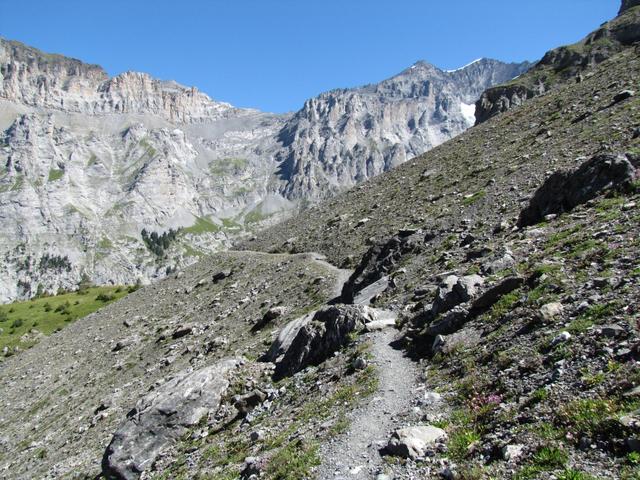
{"points": [[273, 54]]}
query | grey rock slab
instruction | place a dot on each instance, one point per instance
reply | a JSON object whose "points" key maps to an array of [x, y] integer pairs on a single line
{"points": [[312, 340], [162, 416]]}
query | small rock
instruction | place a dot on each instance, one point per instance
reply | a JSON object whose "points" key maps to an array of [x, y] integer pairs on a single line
{"points": [[432, 398], [550, 311], [250, 468], [245, 403], [512, 452], [438, 343], [182, 331], [414, 442], [561, 338], [221, 275], [635, 392], [360, 363], [612, 331]]}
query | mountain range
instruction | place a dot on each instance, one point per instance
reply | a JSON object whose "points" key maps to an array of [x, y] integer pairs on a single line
{"points": [[89, 161]]}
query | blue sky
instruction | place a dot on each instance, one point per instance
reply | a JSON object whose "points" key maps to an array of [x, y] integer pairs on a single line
{"points": [[273, 54]]}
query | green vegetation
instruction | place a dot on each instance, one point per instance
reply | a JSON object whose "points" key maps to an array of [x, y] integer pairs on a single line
{"points": [[50, 314], [293, 462], [255, 216], [105, 243], [459, 442], [586, 416], [201, 226], [571, 474], [54, 262], [227, 166], [55, 174], [547, 458], [470, 200], [230, 224], [505, 304], [595, 314], [158, 243]]}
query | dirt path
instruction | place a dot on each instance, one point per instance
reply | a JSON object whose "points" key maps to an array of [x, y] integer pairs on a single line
{"points": [[355, 455], [342, 275]]}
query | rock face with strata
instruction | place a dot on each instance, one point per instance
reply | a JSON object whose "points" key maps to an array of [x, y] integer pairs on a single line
{"points": [[568, 63], [162, 416]]}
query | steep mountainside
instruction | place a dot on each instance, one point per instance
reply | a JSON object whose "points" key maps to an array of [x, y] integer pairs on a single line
{"points": [[344, 137], [504, 263], [88, 162]]}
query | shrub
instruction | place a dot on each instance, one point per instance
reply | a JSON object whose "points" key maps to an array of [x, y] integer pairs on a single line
{"points": [[103, 297], [17, 323]]}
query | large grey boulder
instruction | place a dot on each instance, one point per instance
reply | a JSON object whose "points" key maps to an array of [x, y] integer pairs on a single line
{"points": [[377, 263], [564, 190], [162, 416], [455, 290], [310, 341]]}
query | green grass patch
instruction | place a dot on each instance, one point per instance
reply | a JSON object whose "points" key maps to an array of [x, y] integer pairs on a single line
{"points": [[55, 174], [230, 224], [586, 416], [571, 474], [293, 462], [504, 305], [50, 314], [228, 166], [201, 226], [545, 459], [255, 216], [474, 198], [459, 442], [595, 314], [105, 243]]}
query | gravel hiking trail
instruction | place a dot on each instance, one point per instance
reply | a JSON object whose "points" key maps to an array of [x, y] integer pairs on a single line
{"points": [[355, 454]]}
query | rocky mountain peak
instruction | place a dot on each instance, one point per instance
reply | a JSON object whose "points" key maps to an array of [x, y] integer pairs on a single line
{"points": [[627, 4], [39, 79]]}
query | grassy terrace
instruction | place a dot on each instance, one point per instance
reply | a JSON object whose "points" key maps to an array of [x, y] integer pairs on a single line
{"points": [[50, 314]]}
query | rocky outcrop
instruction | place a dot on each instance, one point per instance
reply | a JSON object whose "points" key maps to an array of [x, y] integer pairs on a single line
{"points": [[627, 4], [314, 338], [564, 64], [565, 190], [379, 262], [162, 416], [500, 99], [34, 78]]}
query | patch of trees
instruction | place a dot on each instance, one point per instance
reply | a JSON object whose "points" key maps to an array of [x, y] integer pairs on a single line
{"points": [[158, 243], [55, 262]]}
